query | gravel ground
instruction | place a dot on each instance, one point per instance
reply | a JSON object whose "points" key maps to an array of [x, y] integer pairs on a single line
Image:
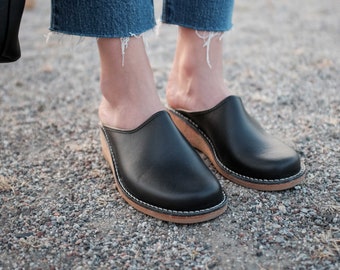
{"points": [[59, 209]]}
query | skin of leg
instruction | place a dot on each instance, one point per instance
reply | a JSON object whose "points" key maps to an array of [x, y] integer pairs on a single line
{"points": [[129, 92], [193, 85]]}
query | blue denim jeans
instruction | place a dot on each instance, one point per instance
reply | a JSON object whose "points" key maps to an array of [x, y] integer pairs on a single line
{"points": [[118, 18]]}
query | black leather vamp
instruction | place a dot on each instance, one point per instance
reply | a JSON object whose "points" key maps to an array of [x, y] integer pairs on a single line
{"points": [[240, 143], [157, 167]]}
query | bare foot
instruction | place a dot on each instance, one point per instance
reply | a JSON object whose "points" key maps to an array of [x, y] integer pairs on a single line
{"points": [[196, 80], [128, 88]]}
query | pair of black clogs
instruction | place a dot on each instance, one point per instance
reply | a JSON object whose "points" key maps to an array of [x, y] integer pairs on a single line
{"points": [[160, 174]]}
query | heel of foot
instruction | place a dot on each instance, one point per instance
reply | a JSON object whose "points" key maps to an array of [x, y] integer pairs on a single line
{"points": [[105, 148]]}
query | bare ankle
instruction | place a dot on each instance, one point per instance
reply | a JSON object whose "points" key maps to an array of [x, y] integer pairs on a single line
{"points": [[194, 89], [194, 84], [126, 117], [129, 91]]}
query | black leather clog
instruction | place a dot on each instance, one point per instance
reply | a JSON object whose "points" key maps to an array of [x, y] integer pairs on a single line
{"points": [[160, 174], [239, 148]]}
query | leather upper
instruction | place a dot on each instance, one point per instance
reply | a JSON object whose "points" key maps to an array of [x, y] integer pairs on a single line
{"points": [[157, 167], [241, 144]]}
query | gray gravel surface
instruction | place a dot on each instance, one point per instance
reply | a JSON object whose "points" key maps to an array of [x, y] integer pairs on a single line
{"points": [[59, 208]]}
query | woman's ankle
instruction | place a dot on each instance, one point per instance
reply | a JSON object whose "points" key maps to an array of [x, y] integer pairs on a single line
{"points": [[126, 116], [194, 84], [195, 88], [128, 88]]}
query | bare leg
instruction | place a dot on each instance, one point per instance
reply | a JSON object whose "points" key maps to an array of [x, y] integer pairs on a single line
{"points": [[193, 85], [129, 92]]}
